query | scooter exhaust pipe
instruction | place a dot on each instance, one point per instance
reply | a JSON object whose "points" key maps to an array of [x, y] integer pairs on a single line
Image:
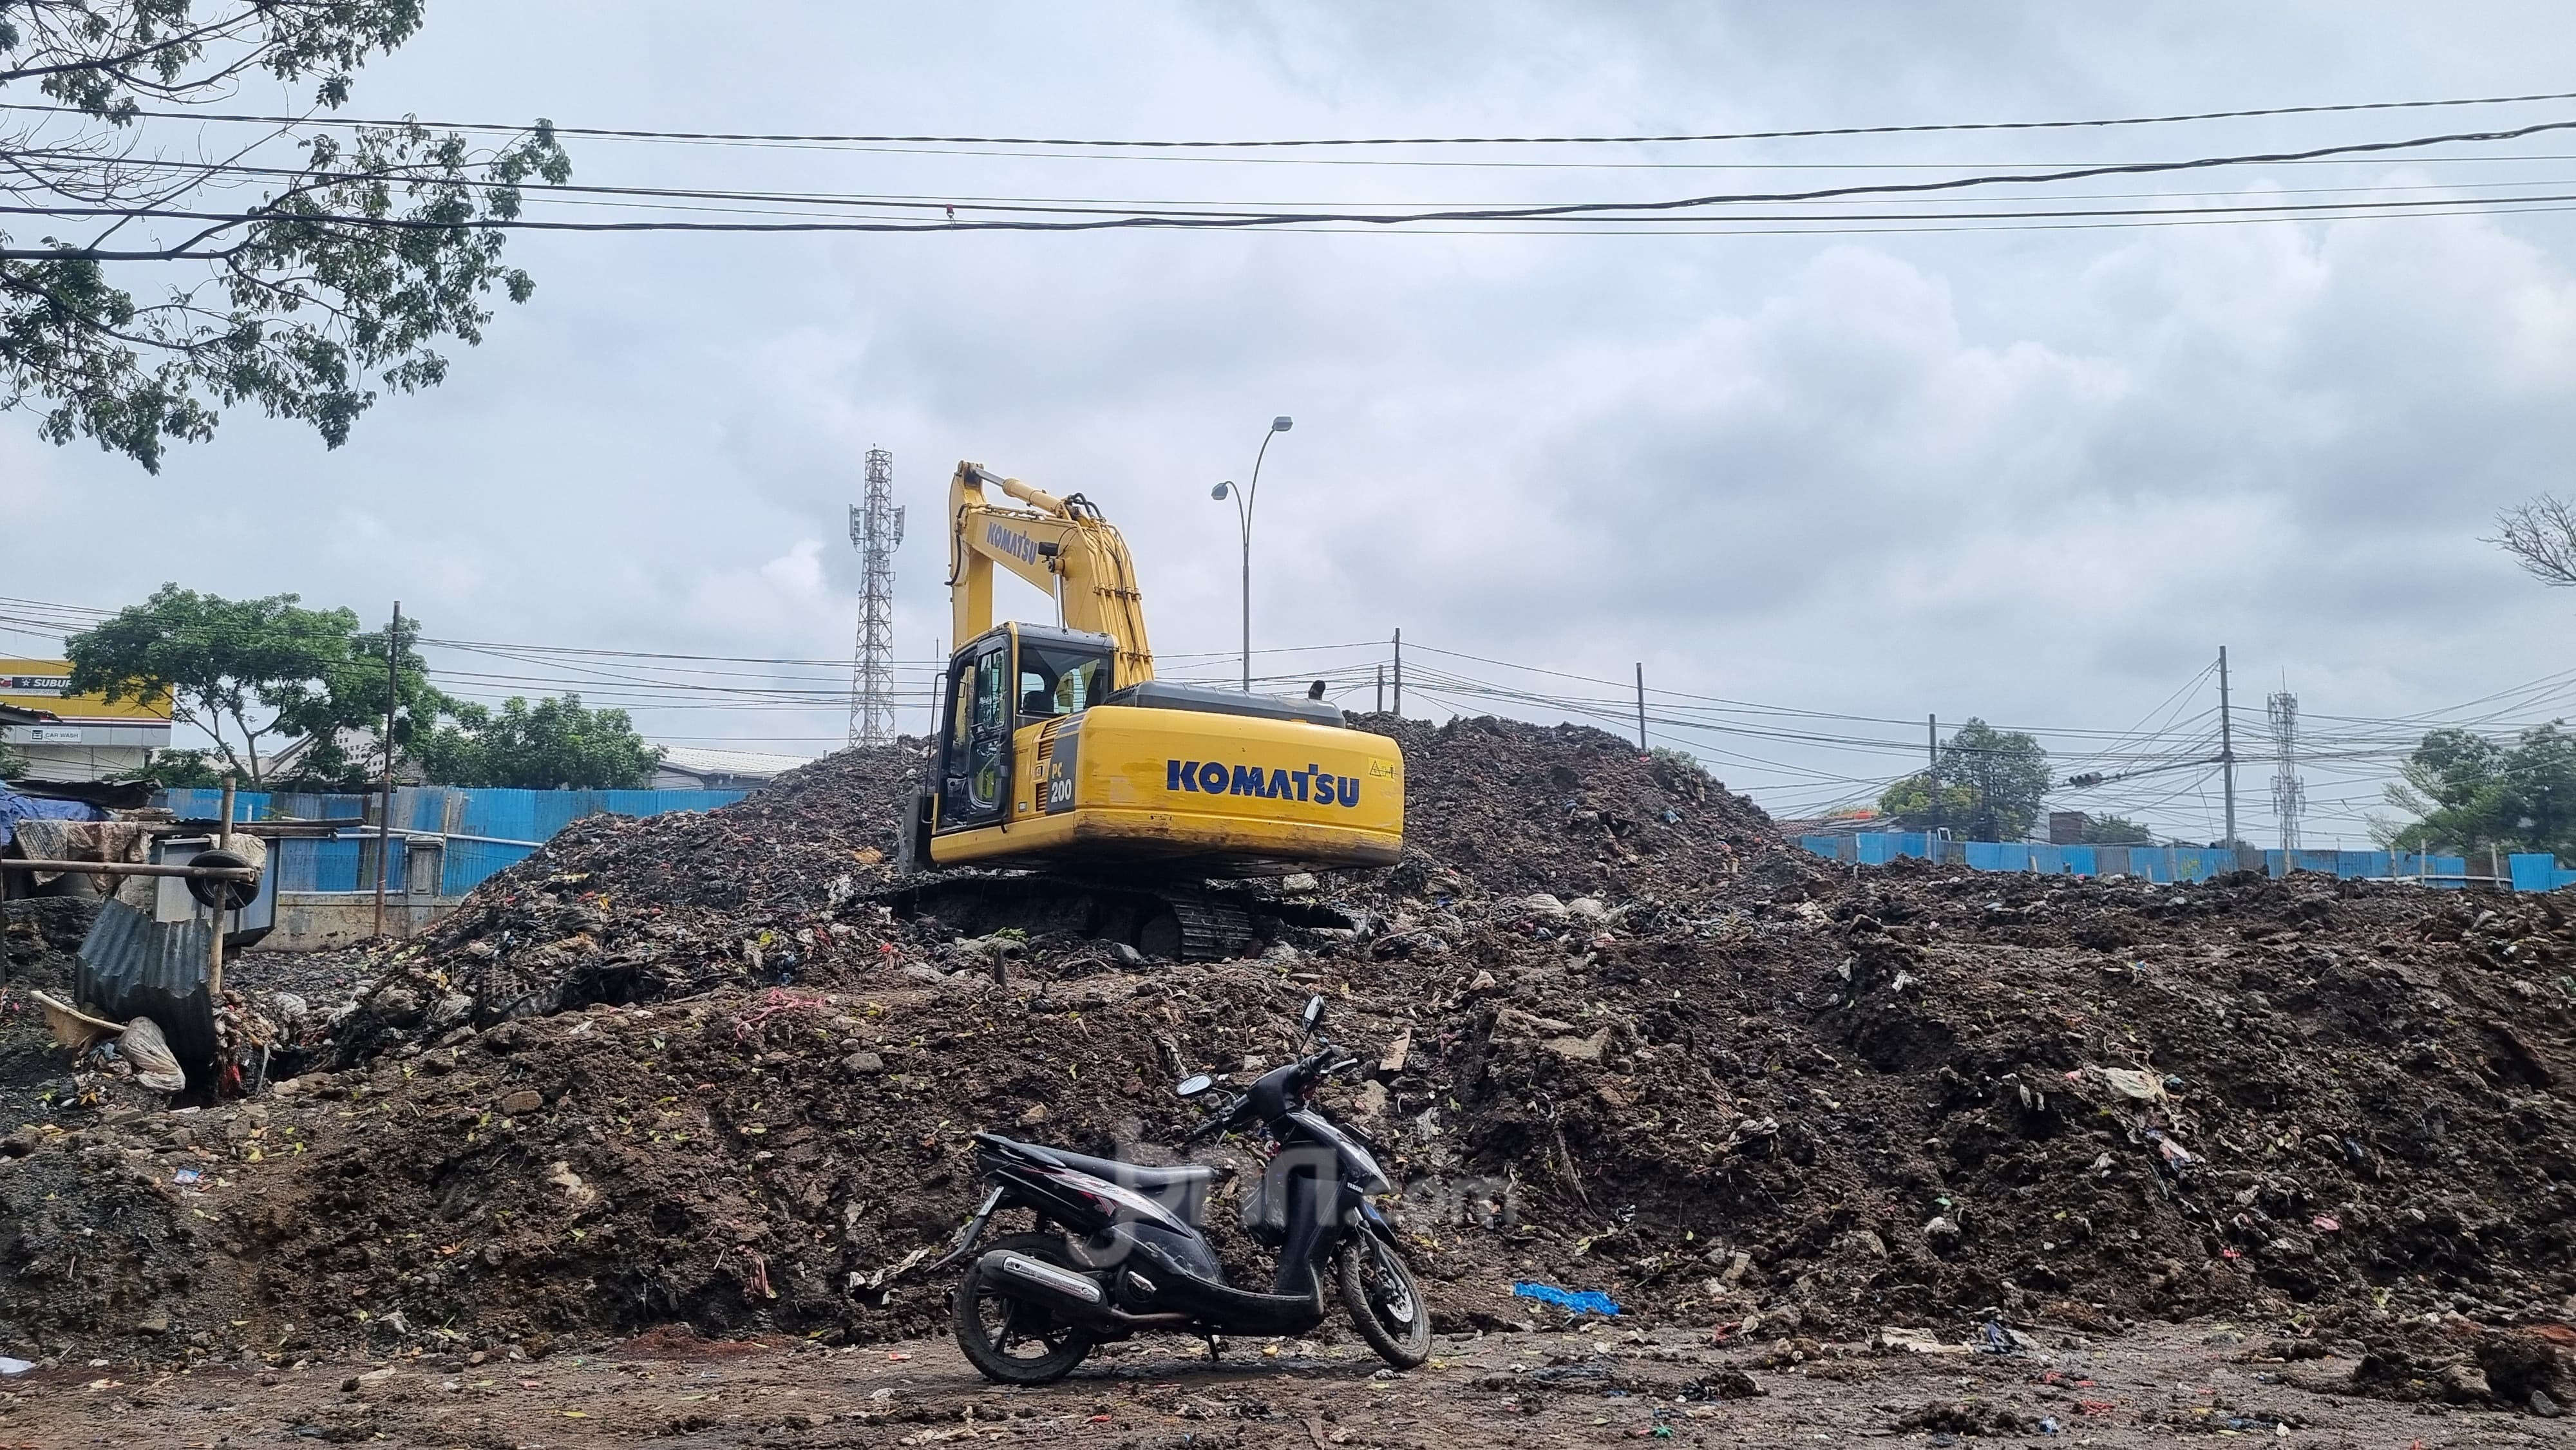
{"points": [[1072, 1295], [1019, 1274]]}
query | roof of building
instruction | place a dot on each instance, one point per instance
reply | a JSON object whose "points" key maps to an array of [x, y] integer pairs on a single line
{"points": [[698, 760]]}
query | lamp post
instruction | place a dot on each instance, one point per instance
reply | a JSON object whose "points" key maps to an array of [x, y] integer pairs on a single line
{"points": [[1244, 498]]}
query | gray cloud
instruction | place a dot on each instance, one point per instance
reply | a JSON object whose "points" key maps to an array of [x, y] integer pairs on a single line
{"points": [[2034, 476]]}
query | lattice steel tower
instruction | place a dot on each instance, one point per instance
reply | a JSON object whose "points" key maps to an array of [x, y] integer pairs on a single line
{"points": [[2289, 798], [876, 528]]}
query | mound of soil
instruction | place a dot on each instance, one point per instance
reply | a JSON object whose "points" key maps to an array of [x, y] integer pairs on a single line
{"points": [[1626, 1039]]}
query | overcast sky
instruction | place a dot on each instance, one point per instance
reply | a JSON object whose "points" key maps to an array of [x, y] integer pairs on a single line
{"points": [[2038, 476]]}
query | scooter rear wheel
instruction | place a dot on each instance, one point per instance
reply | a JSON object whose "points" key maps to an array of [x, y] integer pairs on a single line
{"points": [[1012, 1341], [1384, 1302]]}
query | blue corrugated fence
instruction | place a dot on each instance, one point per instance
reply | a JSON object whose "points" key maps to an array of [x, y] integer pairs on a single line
{"points": [[481, 831], [2540, 872]]}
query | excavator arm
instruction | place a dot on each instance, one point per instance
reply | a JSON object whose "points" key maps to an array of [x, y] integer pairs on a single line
{"points": [[1060, 545]]}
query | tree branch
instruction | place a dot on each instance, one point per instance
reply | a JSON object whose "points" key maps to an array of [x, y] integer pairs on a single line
{"points": [[2541, 536]]}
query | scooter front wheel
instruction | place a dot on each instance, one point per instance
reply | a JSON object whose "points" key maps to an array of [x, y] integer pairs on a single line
{"points": [[1012, 1341], [1384, 1302]]}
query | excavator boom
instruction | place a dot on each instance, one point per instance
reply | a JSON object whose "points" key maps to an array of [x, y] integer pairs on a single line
{"points": [[1062, 546]]}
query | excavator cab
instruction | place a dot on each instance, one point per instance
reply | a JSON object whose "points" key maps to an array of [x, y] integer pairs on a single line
{"points": [[1011, 679]]}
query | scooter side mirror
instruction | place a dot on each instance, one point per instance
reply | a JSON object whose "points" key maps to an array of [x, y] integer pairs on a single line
{"points": [[1195, 1084], [1314, 1014]]}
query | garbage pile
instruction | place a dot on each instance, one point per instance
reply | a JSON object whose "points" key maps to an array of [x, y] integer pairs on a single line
{"points": [[620, 909], [1624, 1041]]}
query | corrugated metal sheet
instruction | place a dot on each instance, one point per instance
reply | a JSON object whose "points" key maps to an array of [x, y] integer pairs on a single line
{"points": [[132, 966], [2539, 871], [205, 805], [470, 863]]}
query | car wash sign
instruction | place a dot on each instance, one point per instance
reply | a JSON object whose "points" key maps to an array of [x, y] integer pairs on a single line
{"points": [[1313, 785]]}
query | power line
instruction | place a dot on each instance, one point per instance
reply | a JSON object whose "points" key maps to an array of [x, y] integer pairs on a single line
{"points": [[1150, 143], [1179, 219], [936, 201]]}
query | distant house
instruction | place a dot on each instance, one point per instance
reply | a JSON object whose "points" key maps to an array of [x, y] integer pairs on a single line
{"points": [[688, 767], [68, 737]]}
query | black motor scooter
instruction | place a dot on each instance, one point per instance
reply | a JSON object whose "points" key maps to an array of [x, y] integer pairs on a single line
{"points": [[1120, 1248]]}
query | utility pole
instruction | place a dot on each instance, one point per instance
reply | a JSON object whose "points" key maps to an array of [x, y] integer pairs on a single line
{"points": [[876, 529], [1381, 689], [2227, 747], [1399, 672], [1641, 707], [385, 812], [1932, 768]]}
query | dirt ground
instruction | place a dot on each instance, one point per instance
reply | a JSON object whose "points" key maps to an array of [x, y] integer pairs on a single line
{"points": [[1575, 1388]]}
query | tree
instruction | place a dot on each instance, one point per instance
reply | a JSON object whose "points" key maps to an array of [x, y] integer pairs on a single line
{"points": [[295, 264], [2541, 536], [553, 744], [2468, 791], [258, 675], [13, 761], [1993, 783], [1907, 804], [2116, 831], [176, 770]]}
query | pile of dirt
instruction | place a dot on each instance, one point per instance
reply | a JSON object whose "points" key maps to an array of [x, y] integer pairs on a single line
{"points": [[1627, 1039], [40, 939], [620, 909], [1501, 807]]}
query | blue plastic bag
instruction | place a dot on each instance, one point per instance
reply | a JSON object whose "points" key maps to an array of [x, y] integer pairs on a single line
{"points": [[1580, 1301]]}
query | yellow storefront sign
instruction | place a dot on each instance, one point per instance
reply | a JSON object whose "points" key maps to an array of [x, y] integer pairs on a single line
{"points": [[45, 685]]}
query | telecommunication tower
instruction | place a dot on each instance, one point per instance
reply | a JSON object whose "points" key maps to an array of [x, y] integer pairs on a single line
{"points": [[2289, 798], [876, 528]]}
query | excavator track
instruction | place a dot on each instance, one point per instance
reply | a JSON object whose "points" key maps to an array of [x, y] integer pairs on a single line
{"points": [[1209, 929], [1169, 921]]}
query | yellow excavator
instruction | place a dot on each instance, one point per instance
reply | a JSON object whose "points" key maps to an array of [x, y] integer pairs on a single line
{"points": [[1058, 753]]}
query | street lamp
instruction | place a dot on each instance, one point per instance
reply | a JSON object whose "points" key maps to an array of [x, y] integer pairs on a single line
{"points": [[1244, 498]]}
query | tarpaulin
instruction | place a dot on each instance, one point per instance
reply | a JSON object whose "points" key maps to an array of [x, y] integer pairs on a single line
{"points": [[15, 808]]}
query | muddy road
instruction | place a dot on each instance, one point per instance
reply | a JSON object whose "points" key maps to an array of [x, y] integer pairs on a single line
{"points": [[1581, 1387]]}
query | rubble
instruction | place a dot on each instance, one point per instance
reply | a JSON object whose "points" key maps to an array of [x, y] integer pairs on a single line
{"points": [[694, 1069]]}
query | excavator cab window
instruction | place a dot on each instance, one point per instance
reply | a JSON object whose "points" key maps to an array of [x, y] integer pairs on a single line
{"points": [[975, 770], [988, 737], [1057, 680]]}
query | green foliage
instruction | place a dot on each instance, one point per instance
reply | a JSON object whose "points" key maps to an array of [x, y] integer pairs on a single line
{"points": [[366, 247], [2116, 831], [1993, 783], [553, 744], [13, 761], [178, 770], [2467, 791], [1907, 805], [1680, 762], [258, 676]]}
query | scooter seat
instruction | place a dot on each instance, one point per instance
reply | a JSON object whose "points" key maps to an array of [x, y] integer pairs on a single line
{"points": [[1131, 1175]]}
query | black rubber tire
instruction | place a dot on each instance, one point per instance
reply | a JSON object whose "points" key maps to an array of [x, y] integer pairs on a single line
{"points": [[1403, 1343], [975, 1338]]}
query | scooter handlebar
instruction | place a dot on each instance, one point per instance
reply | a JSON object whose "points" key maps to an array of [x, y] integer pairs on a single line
{"points": [[1217, 1122]]}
